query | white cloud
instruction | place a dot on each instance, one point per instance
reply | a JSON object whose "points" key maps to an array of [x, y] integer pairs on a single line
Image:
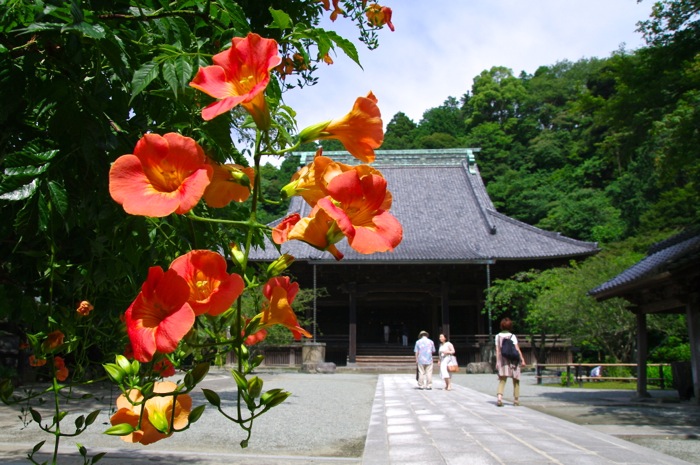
{"points": [[439, 46]]}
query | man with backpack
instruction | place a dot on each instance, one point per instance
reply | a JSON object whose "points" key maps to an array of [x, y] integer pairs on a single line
{"points": [[509, 358]]}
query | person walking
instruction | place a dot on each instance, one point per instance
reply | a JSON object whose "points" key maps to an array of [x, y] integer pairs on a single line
{"points": [[447, 352], [424, 350], [508, 367]]}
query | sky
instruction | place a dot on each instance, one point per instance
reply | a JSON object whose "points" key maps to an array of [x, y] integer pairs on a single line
{"points": [[439, 46]]}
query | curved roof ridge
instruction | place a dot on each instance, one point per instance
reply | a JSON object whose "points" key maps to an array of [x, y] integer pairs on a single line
{"points": [[552, 234], [475, 182]]}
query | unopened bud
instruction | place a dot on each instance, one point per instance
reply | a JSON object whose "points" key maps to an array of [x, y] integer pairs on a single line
{"points": [[313, 132], [237, 255], [278, 266], [238, 176]]}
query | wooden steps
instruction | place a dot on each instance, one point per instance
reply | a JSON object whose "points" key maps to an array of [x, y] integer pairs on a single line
{"points": [[386, 360]]}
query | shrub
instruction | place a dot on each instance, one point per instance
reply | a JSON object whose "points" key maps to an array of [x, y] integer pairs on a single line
{"points": [[571, 377]]}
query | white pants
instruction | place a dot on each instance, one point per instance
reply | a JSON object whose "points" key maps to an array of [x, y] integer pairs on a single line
{"points": [[425, 376]]}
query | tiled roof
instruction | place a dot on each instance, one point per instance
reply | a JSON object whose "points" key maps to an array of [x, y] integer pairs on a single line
{"points": [[446, 214], [663, 256]]}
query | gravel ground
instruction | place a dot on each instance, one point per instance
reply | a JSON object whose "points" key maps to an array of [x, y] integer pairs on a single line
{"points": [[327, 415]]}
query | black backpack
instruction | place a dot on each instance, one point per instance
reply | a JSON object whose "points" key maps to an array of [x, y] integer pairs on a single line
{"points": [[508, 350]]}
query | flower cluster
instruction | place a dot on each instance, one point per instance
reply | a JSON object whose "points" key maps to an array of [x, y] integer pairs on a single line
{"points": [[208, 305], [164, 311], [172, 174], [148, 421], [348, 202]]}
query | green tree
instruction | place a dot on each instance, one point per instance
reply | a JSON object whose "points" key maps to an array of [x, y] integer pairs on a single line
{"points": [[400, 133], [80, 83]]}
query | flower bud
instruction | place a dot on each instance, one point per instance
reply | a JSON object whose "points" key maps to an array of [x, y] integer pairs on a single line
{"points": [[237, 176], [278, 266], [313, 132], [237, 255]]}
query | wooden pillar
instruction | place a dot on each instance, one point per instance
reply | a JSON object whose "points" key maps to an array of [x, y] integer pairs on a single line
{"points": [[693, 321], [642, 348], [445, 308], [352, 329]]}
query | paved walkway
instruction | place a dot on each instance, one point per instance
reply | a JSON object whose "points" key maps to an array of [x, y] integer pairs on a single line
{"points": [[464, 427], [326, 420]]}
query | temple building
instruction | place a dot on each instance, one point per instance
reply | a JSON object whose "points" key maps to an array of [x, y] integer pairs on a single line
{"points": [[454, 245]]}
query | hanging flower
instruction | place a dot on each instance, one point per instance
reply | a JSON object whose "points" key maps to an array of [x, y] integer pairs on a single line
{"points": [[280, 232], [318, 230], [211, 289], [350, 201], [360, 131], [229, 183], [255, 338], [166, 174], [311, 181], [239, 76], [280, 293], [336, 9], [60, 367], [359, 205], [160, 316], [53, 340], [84, 308], [36, 362], [130, 412], [378, 16], [168, 412], [164, 368]]}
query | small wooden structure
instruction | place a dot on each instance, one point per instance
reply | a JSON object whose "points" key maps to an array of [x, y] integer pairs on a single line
{"points": [[667, 280]]}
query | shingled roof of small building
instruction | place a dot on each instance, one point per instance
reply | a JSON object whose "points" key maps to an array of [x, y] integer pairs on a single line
{"points": [[446, 214], [663, 256]]}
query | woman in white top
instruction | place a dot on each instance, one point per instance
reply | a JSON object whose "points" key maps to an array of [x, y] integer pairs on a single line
{"points": [[446, 351], [507, 368]]}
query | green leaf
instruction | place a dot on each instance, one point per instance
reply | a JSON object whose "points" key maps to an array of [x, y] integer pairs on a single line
{"points": [[29, 157], [345, 45], [142, 78], [177, 73], [16, 188], [199, 372], [40, 27], [212, 397], [80, 421], [36, 416], [181, 31], [6, 389], [92, 416], [196, 413], [59, 197], [37, 446], [98, 457], [93, 31], [280, 20], [31, 170]]}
